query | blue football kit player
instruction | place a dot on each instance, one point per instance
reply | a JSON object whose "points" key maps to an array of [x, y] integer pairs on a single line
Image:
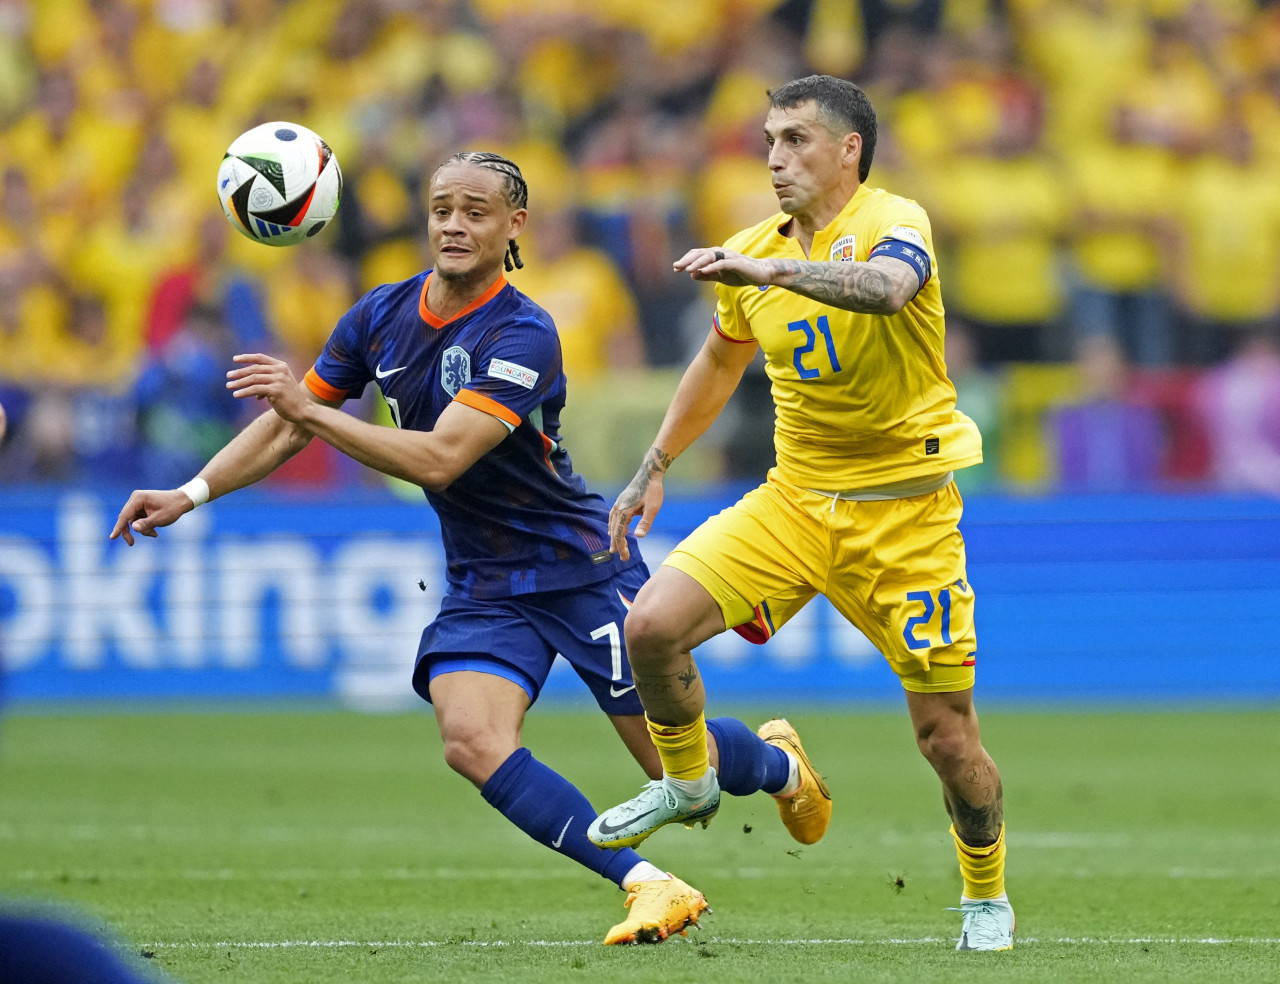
{"points": [[471, 371]]}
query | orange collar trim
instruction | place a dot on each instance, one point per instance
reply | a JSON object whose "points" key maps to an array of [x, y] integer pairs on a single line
{"points": [[479, 302]]}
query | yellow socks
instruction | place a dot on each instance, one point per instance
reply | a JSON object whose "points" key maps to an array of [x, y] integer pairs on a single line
{"points": [[981, 867], [682, 748]]}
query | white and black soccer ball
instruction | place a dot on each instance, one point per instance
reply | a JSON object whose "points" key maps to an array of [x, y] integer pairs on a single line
{"points": [[279, 184]]}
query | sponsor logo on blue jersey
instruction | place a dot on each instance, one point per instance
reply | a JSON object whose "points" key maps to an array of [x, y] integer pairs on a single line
{"points": [[502, 369]]}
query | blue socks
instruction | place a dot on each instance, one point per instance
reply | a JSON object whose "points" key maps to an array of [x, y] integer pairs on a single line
{"points": [[747, 762], [551, 810]]}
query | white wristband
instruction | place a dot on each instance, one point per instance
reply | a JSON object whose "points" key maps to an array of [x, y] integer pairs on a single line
{"points": [[197, 491]]}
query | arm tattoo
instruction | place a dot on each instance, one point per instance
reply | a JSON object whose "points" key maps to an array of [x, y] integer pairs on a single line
{"points": [[636, 488], [655, 463], [852, 286], [659, 460]]}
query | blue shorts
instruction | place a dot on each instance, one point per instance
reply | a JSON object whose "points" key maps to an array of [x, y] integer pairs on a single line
{"points": [[518, 639]]}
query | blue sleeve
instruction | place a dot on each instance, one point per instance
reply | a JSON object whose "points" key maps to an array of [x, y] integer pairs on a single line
{"points": [[520, 366], [342, 367]]}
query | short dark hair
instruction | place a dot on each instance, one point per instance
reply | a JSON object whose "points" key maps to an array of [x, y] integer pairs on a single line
{"points": [[842, 107], [514, 188]]}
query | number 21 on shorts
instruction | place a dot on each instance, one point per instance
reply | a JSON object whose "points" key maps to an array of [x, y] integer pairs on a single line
{"points": [[931, 625]]}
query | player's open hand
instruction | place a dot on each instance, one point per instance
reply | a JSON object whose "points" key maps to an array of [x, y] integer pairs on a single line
{"points": [[148, 509], [271, 380], [643, 498], [723, 266]]}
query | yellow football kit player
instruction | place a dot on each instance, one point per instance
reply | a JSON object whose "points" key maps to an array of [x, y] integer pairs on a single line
{"points": [[861, 505]]}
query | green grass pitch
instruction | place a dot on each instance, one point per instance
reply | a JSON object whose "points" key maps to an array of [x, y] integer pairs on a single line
{"points": [[329, 846]]}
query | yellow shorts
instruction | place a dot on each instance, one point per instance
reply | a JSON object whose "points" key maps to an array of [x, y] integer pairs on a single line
{"points": [[895, 568]]}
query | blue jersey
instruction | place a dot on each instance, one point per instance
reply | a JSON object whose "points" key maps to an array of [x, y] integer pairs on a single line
{"points": [[519, 520]]}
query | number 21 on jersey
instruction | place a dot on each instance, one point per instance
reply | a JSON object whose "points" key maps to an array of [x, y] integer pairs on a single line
{"points": [[809, 343]]}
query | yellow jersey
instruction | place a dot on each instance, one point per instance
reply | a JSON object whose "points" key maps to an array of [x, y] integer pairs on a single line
{"points": [[862, 400]]}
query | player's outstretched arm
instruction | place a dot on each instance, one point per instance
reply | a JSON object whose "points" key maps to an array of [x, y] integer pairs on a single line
{"points": [[881, 285], [431, 459], [258, 450], [704, 389]]}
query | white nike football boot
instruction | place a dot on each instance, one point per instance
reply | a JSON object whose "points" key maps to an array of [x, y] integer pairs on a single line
{"points": [[987, 924], [658, 804]]}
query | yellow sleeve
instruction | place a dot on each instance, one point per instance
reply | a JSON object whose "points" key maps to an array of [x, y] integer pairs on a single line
{"points": [[904, 220], [729, 319], [907, 226]]}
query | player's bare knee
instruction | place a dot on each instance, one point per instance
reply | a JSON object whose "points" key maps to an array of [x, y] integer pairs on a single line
{"points": [[650, 639], [459, 755], [944, 748], [475, 755]]}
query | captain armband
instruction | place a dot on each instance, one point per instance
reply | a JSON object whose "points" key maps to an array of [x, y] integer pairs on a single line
{"points": [[908, 253]]}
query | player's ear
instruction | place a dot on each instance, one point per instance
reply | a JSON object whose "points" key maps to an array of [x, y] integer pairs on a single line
{"points": [[852, 148], [518, 218]]}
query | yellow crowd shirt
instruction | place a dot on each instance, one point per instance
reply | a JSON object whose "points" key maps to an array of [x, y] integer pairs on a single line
{"points": [[862, 400], [1120, 193]]}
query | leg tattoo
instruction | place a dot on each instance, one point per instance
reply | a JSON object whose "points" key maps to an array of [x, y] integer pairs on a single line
{"points": [[673, 698], [976, 804]]}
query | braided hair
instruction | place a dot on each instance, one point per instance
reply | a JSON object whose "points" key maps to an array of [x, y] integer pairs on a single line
{"points": [[516, 190]]}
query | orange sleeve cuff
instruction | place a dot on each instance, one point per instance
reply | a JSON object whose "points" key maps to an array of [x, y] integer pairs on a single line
{"points": [[479, 401], [322, 389]]}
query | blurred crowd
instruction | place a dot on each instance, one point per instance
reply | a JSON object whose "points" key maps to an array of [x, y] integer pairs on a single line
{"points": [[1101, 176]]}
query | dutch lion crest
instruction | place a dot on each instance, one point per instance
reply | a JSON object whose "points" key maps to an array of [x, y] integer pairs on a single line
{"points": [[455, 369]]}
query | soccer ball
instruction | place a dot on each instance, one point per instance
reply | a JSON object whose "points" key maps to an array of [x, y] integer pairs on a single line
{"points": [[279, 184]]}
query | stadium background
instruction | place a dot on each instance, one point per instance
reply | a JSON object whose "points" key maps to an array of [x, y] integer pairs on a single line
{"points": [[1101, 178]]}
